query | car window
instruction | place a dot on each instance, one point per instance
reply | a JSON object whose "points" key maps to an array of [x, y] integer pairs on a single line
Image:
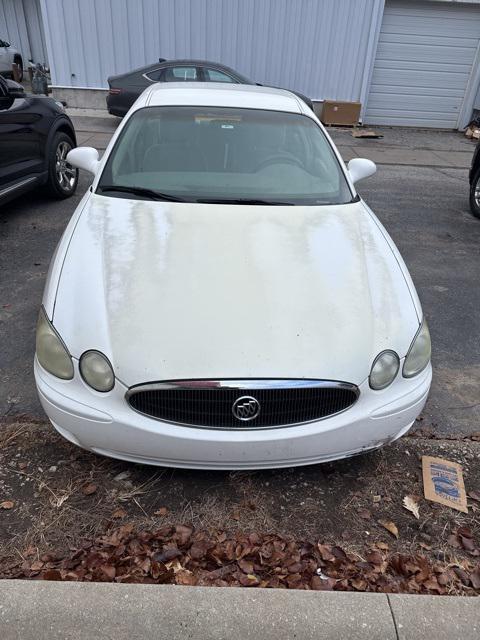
{"points": [[213, 75], [180, 74], [155, 75], [227, 154]]}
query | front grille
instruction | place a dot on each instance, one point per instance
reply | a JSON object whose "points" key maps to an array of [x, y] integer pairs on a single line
{"points": [[244, 404]]}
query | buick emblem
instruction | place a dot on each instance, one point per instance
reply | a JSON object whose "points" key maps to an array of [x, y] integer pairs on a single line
{"points": [[246, 408]]}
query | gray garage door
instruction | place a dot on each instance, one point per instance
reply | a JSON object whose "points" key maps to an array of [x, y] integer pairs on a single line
{"points": [[423, 63]]}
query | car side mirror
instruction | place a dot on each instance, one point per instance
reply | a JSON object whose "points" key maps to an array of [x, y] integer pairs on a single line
{"points": [[84, 158], [360, 168]]}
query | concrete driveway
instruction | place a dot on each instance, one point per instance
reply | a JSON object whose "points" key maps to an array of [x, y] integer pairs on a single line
{"points": [[420, 193]]}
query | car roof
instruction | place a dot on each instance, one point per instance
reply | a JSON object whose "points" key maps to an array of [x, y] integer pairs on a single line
{"points": [[219, 94], [201, 63], [191, 62]]}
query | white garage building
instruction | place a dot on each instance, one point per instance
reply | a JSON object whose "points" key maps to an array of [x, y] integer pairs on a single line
{"points": [[409, 62], [427, 64]]}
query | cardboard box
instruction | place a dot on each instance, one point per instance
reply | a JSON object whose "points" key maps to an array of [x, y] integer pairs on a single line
{"points": [[443, 483], [473, 132], [340, 113]]}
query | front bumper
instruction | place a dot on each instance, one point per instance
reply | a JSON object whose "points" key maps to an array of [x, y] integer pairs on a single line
{"points": [[105, 424]]}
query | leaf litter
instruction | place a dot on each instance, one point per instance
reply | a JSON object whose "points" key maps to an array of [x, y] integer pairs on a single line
{"points": [[338, 526], [183, 555]]}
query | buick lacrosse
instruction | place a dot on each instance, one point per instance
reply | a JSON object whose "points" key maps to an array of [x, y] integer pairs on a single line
{"points": [[222, 298]]}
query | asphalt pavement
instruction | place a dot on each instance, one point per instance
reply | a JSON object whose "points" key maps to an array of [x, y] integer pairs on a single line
{"points": [[420, 193]]}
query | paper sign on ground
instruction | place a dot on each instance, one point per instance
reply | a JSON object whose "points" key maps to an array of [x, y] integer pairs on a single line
{"points": [[443, 483]]}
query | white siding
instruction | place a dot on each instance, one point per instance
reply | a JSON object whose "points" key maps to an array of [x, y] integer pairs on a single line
{"points": [[36, 37], [425, 57], [21, 25], [319, 47]]}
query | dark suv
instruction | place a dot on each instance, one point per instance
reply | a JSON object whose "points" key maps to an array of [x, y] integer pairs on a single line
{"points": [[35, 136]]}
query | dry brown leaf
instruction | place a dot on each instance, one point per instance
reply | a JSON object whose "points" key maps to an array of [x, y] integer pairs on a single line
{"points": [[365, 514], [119, 513], [88, 489], [167, 555], [161, 512], [51, 574], [7, 504], [183, 533], [109, 570], [453, 541], [375, 557], [390, 526], [411, 504], [185, 578], [359, 584], [467, 543], [474, 495], [248, 580], [175, 566], [246, 566], [462, 574], [475, 579]]}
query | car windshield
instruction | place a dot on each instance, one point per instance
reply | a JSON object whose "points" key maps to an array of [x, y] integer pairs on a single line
{"points": [[204, 154]]}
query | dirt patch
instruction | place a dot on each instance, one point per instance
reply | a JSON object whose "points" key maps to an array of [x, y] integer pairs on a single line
{"points": [[65, 500]]}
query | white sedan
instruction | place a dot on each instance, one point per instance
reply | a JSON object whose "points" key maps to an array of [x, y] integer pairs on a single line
{"points": [[222, 298]]}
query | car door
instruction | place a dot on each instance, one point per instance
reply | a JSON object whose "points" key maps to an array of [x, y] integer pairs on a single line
{"points": [[21, 148]]}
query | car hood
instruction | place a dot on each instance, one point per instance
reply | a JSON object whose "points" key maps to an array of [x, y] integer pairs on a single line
{"points": [[182, 290]]}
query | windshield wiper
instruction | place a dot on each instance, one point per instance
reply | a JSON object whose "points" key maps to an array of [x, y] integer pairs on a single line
{"points": [[252, 201], [141, 191]]}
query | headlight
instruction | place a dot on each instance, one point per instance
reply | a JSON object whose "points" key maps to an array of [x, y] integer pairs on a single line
{"points": [[384, 369], [52, 354], [419, 354], [97, 371]]}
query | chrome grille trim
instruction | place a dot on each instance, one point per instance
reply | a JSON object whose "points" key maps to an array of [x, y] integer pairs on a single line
{"points": [[261, 385], [246, 383]]}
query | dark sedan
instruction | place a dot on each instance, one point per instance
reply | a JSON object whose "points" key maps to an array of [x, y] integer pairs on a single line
{"points": [[125, 88]]}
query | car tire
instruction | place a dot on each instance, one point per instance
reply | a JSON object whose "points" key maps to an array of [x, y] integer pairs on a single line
{"points": [[475, 194], [19, 62], [62, 177]]}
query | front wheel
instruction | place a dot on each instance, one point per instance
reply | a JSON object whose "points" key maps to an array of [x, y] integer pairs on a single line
{"points": [[62, 177], [475, 194]]}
